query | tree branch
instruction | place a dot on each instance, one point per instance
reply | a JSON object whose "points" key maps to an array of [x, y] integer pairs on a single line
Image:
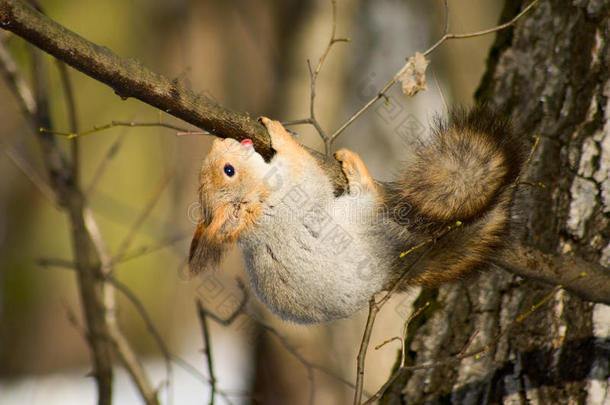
{"points": [[590, 281], [128, 77]]}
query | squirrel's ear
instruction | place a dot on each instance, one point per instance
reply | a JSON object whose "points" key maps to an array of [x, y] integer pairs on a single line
{"points": [[205, 252]]}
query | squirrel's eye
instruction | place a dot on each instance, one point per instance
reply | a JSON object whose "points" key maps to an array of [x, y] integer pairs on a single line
{"points": [[229, 170]]}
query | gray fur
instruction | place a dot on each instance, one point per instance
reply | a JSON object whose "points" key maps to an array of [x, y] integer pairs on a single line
{"points": [[311, 258]]}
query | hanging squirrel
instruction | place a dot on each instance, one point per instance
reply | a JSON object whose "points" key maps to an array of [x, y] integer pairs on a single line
{"points": [[312, 256]]}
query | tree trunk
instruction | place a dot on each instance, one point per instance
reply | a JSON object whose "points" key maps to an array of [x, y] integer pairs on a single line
{"points": [[550, 74]]}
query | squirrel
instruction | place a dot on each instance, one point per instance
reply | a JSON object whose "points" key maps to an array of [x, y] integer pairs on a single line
{"points": [[312, 256]]}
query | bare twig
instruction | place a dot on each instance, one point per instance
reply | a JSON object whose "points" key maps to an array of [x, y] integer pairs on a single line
{"points": [[115, 124], [415, 314], [430, 240], [375, 307], [25, 97], [146, 249], [554, 269], [313, 76], [72, 115], [333, 40], [128, 239], [31, 174], [186, 366], [139, 306], [482, 32], [238, 311], [390, 340], [384, 387], [17, 83], [366, 337], [207, 348], [101, 168], [444, 38], [54, 262], [528, 161], [295, 353], [446, 26]]}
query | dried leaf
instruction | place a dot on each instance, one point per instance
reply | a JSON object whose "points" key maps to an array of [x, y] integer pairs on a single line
{"points": [[413, 74]]}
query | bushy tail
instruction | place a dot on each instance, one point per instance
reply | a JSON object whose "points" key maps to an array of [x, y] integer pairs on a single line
{"points": [[464, 174], [459, 173]]}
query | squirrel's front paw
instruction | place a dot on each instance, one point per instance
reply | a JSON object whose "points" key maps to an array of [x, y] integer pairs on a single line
{"points": [[280, 138], [358, 176]]}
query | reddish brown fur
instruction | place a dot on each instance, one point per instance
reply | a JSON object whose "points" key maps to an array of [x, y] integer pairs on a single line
{"points": [[229, 205], [466, 173]]}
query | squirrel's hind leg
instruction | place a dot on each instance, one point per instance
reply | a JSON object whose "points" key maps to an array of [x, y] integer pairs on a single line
{"points": [[358, 176]]}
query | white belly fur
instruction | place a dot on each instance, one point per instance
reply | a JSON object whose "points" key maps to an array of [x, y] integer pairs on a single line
{"points": [[308, 257]]}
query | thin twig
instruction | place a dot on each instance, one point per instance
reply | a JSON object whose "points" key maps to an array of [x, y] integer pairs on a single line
{"points": [[17, 83], [54, 262], [446, 27], [375, 307], [72, 116], [208, 349], [313, 76], [186, 366], [101, 168], [333, 40], [312, 116], [128, 239], [295, 353], [441, 93], [396, 77], [366, 337], [390, 340], [25, 97], [528, 162], [238, 311], [139, 306], [32, 175], [468, 343], [528, 183], [415, 314], [384, 387], [482, 32], [146, 249], [115, 124], [297, 122]]}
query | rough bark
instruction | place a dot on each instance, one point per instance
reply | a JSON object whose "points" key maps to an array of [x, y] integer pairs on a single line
{"points": [[550, 73]]}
